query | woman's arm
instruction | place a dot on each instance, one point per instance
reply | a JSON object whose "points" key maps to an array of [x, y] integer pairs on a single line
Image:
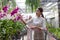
{"points": [[27, 21], [23, 21], [35, 27]]}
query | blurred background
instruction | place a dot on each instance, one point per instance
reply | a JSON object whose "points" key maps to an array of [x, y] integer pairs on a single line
{"points": [[28, 8]]}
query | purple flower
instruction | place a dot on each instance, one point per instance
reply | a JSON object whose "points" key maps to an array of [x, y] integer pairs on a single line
{"points": [[0, 12], [5, 9], [14, 11], [17, 18], [2, 15]]}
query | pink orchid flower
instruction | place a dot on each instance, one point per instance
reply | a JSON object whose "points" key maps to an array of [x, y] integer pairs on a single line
{"points": [[14, 11], [5, 9]]}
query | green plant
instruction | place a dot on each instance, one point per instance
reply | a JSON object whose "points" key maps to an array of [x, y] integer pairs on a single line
{"points": [[55, 31], [9, 28], [5, 2], [33, 4]]}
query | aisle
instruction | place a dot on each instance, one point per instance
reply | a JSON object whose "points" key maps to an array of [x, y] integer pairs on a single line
{"points": [[49, 37]]}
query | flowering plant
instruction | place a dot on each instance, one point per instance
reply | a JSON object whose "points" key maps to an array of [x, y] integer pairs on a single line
{"points": [[9, 28]]}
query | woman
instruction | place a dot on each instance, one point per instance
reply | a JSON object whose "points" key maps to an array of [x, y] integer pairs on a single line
{"points": [[37, 24], [40, 25]]}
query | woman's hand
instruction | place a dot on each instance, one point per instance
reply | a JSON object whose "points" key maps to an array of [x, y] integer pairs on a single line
{"points": [[43, 28], [32, 27]]}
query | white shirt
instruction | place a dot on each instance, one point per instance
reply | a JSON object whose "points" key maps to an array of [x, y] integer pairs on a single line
{"points": [[37, 21]]}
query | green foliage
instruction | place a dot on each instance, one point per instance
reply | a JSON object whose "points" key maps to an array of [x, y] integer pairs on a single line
{"points": [[9, 28], [13, 3], [0, 5], [5, 2], [53, 30], [33, 4], [10, 9]]}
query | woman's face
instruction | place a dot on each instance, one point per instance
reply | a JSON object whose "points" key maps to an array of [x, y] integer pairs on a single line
{"points": [[38, 13]]}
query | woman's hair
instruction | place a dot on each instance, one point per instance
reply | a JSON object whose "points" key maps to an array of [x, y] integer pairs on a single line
{"points": [[41, 10]]}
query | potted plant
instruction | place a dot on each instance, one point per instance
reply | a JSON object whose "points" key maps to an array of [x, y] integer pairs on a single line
{"points": [[8, 28]]}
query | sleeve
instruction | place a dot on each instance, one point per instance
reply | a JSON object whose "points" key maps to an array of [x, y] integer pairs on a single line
{"points": [[44, 24], [29, 21]]}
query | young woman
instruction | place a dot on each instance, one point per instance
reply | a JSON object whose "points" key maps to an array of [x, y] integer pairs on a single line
{"points": [[37, 24]]}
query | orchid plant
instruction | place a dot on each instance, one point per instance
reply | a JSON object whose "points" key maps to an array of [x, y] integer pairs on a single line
{"points": [[10, 27]]}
